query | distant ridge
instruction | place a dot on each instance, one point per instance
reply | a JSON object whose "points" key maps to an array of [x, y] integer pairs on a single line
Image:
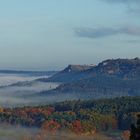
{"points": [[110, 78], [69, 74], [125, 68], [39, 73]]}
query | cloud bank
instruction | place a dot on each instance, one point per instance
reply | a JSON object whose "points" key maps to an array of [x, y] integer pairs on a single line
{"points": [[104, 32]]}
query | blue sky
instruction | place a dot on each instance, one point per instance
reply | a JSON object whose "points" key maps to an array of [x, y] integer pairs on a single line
{"points": [[50, 34]]}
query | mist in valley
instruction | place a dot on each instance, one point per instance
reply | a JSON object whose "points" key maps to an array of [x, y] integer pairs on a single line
{"points": [[8, 79], [19, 90], [8, 132], [25, 90]]}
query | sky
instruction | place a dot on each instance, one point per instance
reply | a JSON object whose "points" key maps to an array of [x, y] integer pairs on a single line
{"points": [[50, 34]]}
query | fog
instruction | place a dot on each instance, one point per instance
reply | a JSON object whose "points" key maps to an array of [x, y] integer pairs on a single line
{"points": [[7, 79], [17, 90], [8, 132], [25, 90]]}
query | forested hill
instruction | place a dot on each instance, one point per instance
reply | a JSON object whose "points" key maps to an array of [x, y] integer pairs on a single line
{"points": [[77, 116], [69, 74], [123, 68], [110, 78]]}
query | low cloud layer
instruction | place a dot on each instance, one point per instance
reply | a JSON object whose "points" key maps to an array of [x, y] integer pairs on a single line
{"points": [[19, 90], [104, 32]]}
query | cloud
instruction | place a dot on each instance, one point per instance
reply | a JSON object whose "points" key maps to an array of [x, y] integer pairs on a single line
{"points": [[132, 41], [132, 5], [104, 32], [123, 1]]}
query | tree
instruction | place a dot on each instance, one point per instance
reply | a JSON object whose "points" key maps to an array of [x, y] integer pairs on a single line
{"points": [[135, 131]]}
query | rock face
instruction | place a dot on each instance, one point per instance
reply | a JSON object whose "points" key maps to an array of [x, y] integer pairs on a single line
{"points": [[125, 68], [77, 68], [110, 78], [120, 67], [70, 74]]}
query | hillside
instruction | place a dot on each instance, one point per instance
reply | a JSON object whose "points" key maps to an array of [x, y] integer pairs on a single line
{"points": [[76, 116], [69, 74], [110, 78], [124, 68]]}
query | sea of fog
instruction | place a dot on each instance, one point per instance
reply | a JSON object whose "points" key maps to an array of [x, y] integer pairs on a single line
{"points": [[13, 94]]}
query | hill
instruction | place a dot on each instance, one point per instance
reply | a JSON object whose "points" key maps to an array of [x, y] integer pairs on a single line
{"points": [[77, 116], [110, 78], [69, 74]]}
